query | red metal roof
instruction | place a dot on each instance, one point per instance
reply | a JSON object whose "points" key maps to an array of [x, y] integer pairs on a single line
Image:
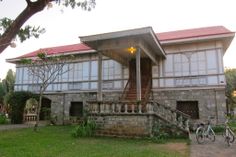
{"points": [[58, 50], [165, 36], [192, 33]]}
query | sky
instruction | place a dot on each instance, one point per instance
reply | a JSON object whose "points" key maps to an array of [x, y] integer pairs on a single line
{"points": [[64, 25]]}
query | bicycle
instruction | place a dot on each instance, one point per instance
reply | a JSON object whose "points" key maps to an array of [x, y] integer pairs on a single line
{"points": [[205, 131], [228, 134]]}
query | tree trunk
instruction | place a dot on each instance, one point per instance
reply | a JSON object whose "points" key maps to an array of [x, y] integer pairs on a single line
{"points": [[38, 110], [31, 9]]}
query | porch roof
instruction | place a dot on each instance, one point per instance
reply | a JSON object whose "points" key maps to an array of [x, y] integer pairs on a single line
{"points": [[116, 44]]}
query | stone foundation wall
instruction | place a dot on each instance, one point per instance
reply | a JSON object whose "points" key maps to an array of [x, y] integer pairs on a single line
{"points": [[124, 125], [211, 102], [62, 102]]}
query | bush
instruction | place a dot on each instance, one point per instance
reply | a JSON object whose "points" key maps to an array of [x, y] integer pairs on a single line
{"points": [[3, 119], [161, 132], [86, 129], [218, 128]]}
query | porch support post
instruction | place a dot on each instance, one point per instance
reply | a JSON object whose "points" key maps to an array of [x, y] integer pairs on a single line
{"points": [[138, 74], [99, 92]]}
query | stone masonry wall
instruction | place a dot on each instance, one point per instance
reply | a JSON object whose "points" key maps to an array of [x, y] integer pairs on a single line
{"points": [[124, 125], [62, 102], [211, 102]]}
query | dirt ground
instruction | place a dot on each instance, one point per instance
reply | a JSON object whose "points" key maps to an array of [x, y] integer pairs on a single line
{"points": [[218, 148]]}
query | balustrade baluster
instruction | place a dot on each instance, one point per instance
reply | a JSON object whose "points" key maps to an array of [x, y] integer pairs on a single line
{"points": [[187, 124], [126, 108], [119, 107], [180, 121], [149, 108], [173, 116], [139, 108], [96, 110], [113, 108], [107, 107], [101, 108], [132, 107]]}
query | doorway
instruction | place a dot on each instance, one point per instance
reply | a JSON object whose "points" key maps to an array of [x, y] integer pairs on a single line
{"points": [[76, 109]]}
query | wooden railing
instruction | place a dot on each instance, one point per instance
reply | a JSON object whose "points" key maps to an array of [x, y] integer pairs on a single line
{"points": [[180, 119], [147, 91], [126, 89]]}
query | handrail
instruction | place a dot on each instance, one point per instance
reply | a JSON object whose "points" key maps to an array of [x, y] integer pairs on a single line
{"points": [[147, 91], [173, 110], [125, 90]]}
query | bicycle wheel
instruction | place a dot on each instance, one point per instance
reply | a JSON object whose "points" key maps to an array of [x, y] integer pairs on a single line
{"points": [[200, 135], [212, 136], [227, 139], [231, 136]]}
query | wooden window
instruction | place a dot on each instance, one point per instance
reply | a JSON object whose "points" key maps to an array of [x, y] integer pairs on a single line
{"points": [[189, 107]]}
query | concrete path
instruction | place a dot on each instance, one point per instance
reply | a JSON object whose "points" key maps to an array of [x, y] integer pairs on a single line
{"points": [[20, 126], [15, 126], [218, 148]]}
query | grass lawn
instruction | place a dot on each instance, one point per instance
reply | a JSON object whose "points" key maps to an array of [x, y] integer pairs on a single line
{"points": [[56, 141]]}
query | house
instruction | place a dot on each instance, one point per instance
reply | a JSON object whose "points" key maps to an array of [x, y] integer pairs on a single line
{"points": [[130, 78]]}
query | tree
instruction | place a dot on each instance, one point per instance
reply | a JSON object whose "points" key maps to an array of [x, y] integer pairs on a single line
{"points": [[2, 93], [8, 82], [45, 70], [6, 86], [230, 75], [12, 28]]}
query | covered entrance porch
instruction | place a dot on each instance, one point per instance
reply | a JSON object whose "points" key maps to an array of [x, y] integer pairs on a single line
{"points": [[138, 49]]}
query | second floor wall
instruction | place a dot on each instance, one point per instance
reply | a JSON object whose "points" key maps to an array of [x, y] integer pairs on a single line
{"points": [[191, 65]]}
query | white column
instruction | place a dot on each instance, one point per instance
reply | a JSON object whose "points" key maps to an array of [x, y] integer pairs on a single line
{"points": [[138, 74], [99, 92]]}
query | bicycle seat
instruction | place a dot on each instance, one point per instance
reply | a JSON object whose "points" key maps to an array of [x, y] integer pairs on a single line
{"points": [[200, 124]]}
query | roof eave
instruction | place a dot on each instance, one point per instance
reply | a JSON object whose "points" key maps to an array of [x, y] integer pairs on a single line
{"points": [[15, 60], [194, 39], [92, 40]]}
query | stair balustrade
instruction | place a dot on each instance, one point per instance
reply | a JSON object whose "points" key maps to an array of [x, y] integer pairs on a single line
{"points": [[172, 116]]}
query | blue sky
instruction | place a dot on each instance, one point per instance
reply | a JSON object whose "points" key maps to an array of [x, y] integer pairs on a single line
{"points": [[64, 25]]}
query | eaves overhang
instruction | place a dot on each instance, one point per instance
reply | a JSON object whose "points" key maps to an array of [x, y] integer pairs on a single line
{"points": [[145, 35]]}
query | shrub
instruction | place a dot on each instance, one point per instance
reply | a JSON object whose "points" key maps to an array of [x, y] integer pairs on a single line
{"points": [[161, 132], [218, 128], [3, 119], [85, 129]]}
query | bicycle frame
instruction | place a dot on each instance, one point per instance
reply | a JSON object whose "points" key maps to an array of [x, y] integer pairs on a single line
{"points": [[228, 134], [205, 131]]}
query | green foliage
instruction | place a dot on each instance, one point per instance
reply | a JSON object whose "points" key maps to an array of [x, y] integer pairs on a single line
{"points": [[9, 81], [45, 113], [161, 132], [85, 5], [2, 93], [17, 101], [218, 128], [3, 119], [230, 75], [86, 129], [24, 33], [55, 141]]}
